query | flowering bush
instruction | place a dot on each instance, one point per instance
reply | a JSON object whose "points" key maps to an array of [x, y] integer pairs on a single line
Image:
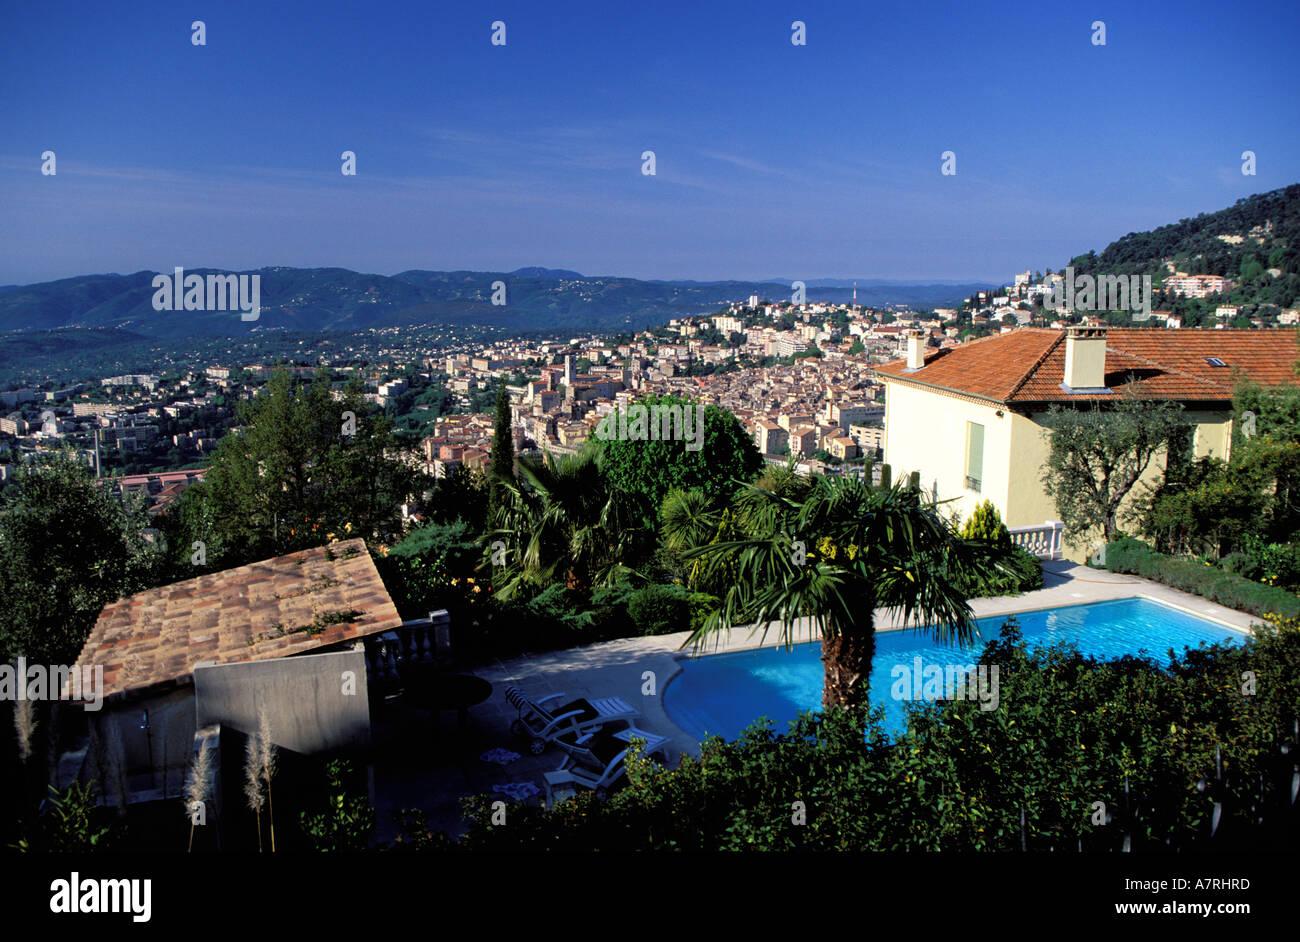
{"points": [[1276, 564]]}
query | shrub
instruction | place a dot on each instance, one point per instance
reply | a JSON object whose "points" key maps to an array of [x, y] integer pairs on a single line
{"points": [[560, 617], [1130, 543], [660, 609], [1275, 564], [1239, 563], [1021, 572], [557, 603], [74, 823], [1201, 578], [986, 525], [434, 567], [702, 605], [348, 818], [607, 610], [1018, 571], [557, 617], [416, 835]]}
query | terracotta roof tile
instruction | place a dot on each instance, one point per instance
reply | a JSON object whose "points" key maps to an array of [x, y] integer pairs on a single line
{"points": [[1027, 365], [152, 640]]}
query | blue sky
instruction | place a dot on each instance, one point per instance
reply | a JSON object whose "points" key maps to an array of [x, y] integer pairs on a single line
{"points": [[773, 160]]}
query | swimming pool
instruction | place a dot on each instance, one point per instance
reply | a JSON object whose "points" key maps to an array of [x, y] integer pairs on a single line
{"points": [[724, 693]]}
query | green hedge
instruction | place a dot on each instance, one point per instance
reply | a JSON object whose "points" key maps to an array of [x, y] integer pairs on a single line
{"points": [[1200, 578]]}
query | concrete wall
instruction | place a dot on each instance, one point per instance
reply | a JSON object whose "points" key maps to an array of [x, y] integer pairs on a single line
{"points": [[1029, 504], [156, 738], [316, 702]]}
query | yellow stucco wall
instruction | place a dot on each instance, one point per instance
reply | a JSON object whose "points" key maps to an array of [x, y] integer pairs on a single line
{"points": [[925, 430], [1029, 504]]}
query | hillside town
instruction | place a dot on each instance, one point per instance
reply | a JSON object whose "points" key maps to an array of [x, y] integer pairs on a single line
{"points": [[800, 377]]}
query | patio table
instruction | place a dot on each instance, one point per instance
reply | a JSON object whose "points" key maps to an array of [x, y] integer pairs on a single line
{"points": [[426, 688]]}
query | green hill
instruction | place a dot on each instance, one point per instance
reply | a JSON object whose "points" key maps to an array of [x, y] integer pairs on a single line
{"points": [[1255, 242], [310, 299]]}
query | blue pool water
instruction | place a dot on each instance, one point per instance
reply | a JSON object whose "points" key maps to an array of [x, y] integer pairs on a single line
{"points": [[724, 693]]}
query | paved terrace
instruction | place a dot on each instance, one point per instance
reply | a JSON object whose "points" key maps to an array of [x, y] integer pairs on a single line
{"points": [[450, 765]]}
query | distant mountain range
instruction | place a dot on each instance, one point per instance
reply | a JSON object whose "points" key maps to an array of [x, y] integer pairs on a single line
{"points": [[340, 299], [1256, 242]]}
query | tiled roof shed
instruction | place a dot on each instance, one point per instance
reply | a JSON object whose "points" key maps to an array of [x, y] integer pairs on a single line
{"points": [[149, 642], [1027, 366]]}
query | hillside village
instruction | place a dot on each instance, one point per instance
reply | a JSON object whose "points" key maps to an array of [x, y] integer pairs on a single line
{"points": [[801, 378]]}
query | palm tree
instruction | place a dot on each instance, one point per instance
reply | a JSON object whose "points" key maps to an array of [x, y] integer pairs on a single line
{"points": [[687, 519], [833, 550], [559, 522]]}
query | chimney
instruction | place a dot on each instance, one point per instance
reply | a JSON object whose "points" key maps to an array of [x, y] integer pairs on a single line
{"points": [[915, 349], [1085, 359]]}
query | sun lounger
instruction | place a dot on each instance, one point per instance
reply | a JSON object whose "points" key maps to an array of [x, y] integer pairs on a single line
{"points": [[596, 760], [544, 723]]}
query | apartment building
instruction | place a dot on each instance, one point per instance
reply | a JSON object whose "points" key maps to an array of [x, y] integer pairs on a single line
{"points": [[841, 446], [787, 346], [788, 421], [869, 438], [845, 414], [770, 438], [1197, 286], [803, 440], [14, 424], [95, 408]]}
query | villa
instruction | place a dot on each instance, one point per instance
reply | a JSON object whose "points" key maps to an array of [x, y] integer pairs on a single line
{"points": [[970, 418]]}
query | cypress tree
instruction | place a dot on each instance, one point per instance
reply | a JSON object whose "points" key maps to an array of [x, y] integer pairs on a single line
{"points": [[503, 447]]}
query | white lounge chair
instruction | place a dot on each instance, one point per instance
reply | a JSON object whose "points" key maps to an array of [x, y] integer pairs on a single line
{"points": [[596, 760], [578, 717]]}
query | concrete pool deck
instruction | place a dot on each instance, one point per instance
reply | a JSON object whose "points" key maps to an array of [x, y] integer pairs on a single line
{"points": [[639, 669]]}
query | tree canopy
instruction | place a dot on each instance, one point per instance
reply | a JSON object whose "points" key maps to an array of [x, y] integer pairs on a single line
{"points": [[645, 471], [303, 465], [67, 549], [1097, 456]]}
